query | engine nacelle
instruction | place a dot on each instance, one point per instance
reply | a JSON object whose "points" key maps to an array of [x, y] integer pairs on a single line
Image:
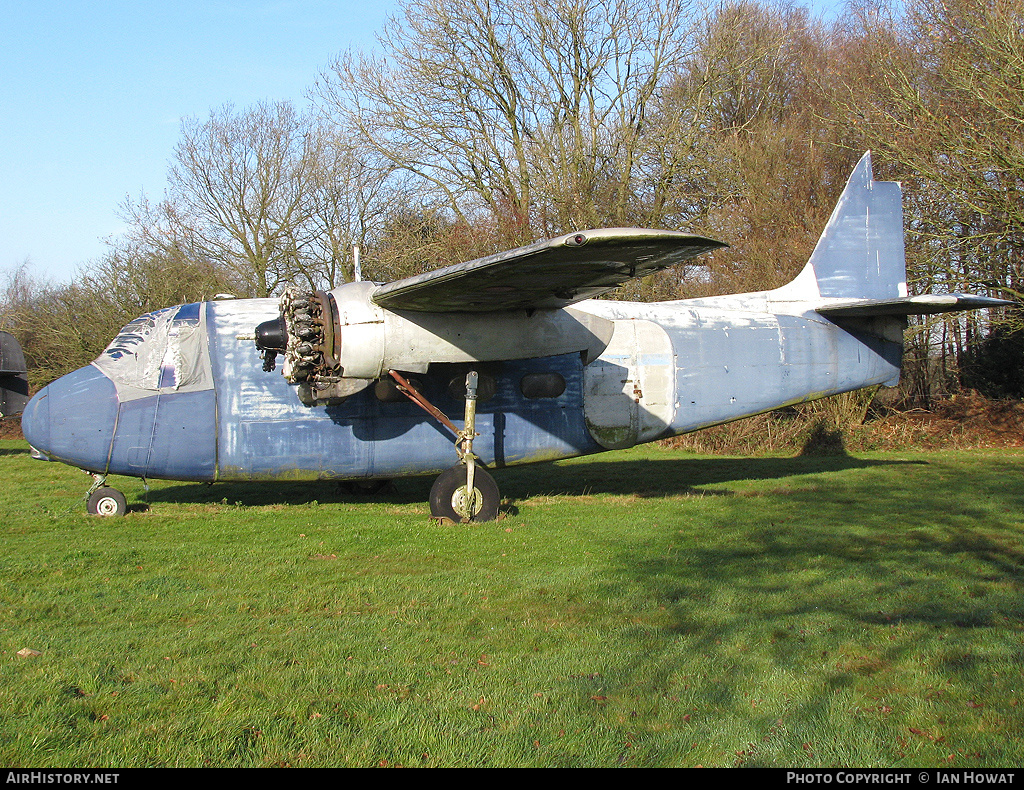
{"points": [[336, 343]]}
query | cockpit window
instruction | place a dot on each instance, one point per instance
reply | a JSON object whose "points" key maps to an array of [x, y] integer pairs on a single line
{"points": [[162, 350]]}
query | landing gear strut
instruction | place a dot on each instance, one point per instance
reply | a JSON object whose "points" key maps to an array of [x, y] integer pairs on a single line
{"points": [[465, 492]]}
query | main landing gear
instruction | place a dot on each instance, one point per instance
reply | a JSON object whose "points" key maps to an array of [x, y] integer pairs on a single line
{"points": [[449, 497], [466, 492]]}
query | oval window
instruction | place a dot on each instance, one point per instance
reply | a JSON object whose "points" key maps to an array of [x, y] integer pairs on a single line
{"points": [[542, 385]]}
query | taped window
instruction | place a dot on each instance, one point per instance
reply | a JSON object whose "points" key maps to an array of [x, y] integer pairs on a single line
{"points": [[165, 350]]}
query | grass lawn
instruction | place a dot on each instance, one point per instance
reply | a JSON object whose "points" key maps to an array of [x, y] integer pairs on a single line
{"points": [[639, 608]]}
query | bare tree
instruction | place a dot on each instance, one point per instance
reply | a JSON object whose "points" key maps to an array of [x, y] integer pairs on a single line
{"points": [[945, 103], [741, 147], [529, 111], [936, 89], [237, 196], [346, 199]]}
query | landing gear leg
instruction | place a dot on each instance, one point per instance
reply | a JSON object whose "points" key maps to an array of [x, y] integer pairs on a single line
{"points": [[103, 500], [465, 492], [466, 456]]}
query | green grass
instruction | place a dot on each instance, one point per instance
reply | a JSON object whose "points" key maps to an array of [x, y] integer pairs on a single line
{"points": [[640, 608]]}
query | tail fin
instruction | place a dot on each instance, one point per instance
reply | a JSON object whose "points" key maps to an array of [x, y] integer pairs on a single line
{"points": [[860, 253], [858, 268]]}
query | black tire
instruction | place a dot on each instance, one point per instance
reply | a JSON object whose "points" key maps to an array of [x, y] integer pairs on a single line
{"points": [[448, 496], [107, 502]]}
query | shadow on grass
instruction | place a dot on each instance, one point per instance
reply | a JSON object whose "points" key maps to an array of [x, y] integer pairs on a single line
{"points": [[669, 477], [878, 586], [937, 549], [653, 478]]}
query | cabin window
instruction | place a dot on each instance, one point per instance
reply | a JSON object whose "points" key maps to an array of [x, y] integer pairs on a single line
{"points": [[542, 385], [387, 390]]}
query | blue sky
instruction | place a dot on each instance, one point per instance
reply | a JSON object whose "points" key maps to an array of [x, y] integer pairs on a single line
{"points": [[92, 95]]}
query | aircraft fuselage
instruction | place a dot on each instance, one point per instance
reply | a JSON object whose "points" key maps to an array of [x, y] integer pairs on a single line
{"points": [[183, 395]]}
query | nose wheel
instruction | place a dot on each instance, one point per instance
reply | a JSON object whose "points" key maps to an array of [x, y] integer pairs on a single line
{"points": [[105, 501]]}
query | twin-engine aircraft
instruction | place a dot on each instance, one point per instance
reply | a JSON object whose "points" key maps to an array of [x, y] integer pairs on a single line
{"points": [[500, 361]]}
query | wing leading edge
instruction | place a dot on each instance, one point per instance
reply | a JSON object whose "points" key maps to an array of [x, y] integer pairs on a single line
{"points": [[546, 275]]}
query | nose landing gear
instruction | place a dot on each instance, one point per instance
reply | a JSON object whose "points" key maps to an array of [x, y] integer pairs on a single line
{"points": [[103, 500]]}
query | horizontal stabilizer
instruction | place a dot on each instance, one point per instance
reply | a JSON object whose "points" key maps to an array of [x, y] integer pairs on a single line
{"points": [[926, 304], [546, 275]]}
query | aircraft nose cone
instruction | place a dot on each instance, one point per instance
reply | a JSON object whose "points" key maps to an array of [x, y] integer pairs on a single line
{"points": [[35, 420], [72, 420]]}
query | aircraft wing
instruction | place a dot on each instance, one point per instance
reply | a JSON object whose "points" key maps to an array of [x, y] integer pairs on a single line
{"points": [[546, 275]]}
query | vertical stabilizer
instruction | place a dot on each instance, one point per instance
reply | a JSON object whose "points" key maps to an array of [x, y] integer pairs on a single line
{"points": [[860, 253]]}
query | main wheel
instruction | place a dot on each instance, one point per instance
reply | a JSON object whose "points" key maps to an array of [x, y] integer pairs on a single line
{"points": [[448, 496], [107, 502]]}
